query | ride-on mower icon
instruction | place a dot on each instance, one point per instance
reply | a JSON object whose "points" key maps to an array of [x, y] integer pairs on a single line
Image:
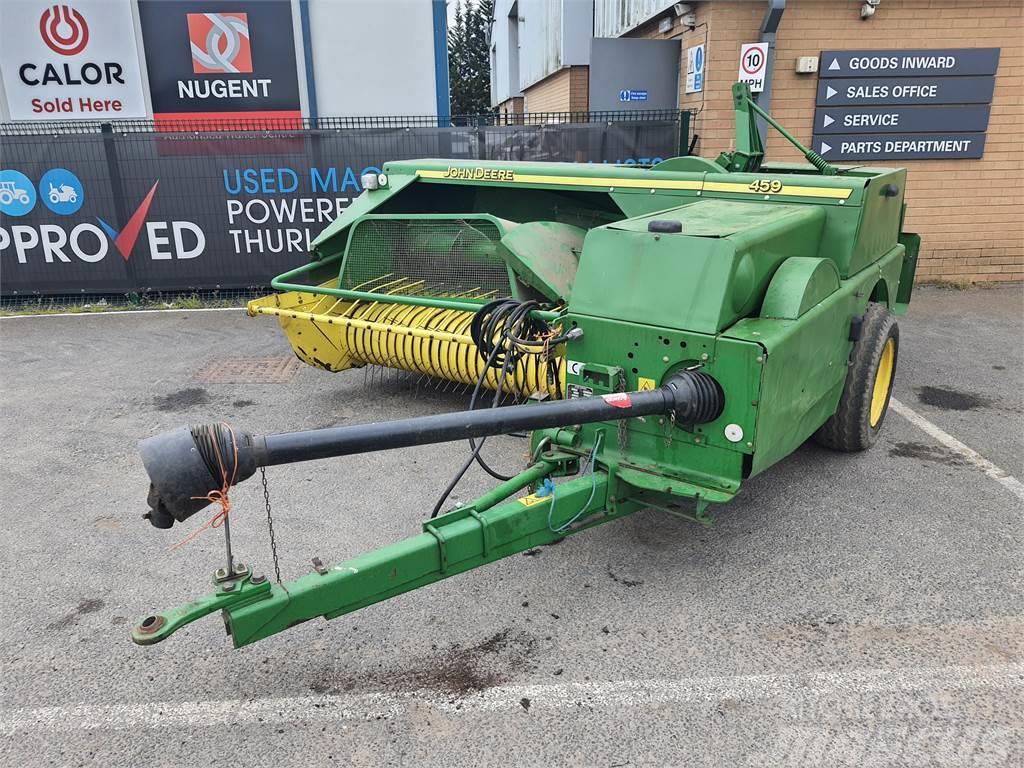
{"points": [[63, 194], [9, 193]]}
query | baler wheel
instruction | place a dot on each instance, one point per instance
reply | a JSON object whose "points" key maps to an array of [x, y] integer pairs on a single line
{"points": [[858, 419]]}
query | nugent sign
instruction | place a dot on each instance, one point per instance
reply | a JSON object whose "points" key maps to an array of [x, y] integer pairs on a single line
{"points": [[219, 61], [70, 61]]}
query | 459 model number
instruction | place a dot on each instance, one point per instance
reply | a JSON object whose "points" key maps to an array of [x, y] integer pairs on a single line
{"points": [[766, 186]]}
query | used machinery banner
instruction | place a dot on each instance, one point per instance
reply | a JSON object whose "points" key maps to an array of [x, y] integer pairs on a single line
{"points": [[133, 212]]}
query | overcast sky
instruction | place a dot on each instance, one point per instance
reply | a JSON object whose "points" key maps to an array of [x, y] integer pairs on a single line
{"points": [[451, 10]]}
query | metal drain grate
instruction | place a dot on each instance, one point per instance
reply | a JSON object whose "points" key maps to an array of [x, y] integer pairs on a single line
{"points": [[249, 370]]}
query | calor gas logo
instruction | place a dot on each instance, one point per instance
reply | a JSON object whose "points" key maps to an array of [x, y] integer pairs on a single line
{"points": [[64, 30], [85, 241]]}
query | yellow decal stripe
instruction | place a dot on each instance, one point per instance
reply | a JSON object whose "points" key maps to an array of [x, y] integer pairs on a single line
{"points": [[835, 193], [582, 181]]}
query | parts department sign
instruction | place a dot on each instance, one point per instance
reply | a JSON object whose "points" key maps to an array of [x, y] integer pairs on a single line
{"points": [[70, 61], [220, 60]]}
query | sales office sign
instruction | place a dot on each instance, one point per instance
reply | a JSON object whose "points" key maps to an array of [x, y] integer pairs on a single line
{"points": [[72, 60]]}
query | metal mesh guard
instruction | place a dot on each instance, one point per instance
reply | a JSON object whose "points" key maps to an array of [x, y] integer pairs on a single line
{"points": [[426, 257]]}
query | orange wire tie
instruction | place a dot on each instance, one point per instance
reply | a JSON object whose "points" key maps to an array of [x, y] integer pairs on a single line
{"points": [[218, 495]]}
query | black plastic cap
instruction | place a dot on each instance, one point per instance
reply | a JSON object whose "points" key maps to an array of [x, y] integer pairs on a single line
{"points": [[665, 226]]}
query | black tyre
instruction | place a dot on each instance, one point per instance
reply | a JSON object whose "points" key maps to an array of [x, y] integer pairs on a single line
{"points": [[856, 423]]}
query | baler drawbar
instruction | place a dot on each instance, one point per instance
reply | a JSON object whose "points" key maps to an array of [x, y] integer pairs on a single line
{"points": [[674, 331]]}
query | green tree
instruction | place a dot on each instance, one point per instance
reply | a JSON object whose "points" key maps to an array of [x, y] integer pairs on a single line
{"points": [[469, 58]]}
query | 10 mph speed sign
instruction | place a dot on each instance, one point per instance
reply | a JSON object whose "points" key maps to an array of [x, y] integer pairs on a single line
{"points": [[753, 65]]}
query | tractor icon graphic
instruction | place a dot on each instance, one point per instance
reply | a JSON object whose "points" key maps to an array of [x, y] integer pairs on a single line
{"points": [[9, 193], [63, 194]]}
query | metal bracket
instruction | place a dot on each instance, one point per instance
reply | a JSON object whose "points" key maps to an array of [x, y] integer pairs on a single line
{"points": [[441, 546], [485, 531], [237, 591]]}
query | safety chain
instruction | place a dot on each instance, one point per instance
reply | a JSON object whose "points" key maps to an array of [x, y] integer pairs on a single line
{"points": [[270, 525]]}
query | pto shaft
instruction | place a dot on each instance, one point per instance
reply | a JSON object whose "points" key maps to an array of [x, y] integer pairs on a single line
{"points": [[186, 464]]}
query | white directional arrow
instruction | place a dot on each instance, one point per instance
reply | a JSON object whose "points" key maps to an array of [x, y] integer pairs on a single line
{"points": [[825, 148], [830, 91], [834, 65], [827, 121]]}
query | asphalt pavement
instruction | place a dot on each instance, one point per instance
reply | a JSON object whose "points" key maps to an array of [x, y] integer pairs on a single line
{"points": [[861, 610]]}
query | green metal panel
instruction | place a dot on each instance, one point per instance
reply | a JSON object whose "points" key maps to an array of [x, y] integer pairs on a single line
{"points": [[880, 220], [799, 284], [912, 246], [613, 355], [702, 282], [806, 363], [715, 218], [545, 255]]}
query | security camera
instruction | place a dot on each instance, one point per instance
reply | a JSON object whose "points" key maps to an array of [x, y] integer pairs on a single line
{"points": [[868, 9], [686, 15]]}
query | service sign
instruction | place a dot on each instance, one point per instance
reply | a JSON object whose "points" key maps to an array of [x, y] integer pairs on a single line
{"points": [[220, 60], [70, 61], [900, 119]]}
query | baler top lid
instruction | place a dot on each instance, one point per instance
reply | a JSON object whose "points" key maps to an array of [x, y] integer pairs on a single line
{"points": [[714, 218]]}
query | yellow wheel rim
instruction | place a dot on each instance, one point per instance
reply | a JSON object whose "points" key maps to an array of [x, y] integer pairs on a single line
{"points": [[883, 380]]}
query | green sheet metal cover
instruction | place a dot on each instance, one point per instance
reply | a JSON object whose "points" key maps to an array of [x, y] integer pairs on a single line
{"points": [[714, 218]]}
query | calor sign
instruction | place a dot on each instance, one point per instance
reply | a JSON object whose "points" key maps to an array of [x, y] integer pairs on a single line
{"points": [[72, 60]]}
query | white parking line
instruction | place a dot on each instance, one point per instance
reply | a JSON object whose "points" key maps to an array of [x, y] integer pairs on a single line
{"points": [[115, 312], [971, 456], [628, 693]]}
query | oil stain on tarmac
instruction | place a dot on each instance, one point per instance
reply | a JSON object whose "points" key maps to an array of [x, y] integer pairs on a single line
{"points": [[458, 671], [925, 452], [182, 400], [951, 399], [71, 619]]}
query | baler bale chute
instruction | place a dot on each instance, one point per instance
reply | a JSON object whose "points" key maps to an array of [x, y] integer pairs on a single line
{"points": [[674, 331]]}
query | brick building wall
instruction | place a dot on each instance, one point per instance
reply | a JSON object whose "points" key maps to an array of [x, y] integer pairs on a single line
{"points": [[513, 106], [567, 90], [970, 213]]}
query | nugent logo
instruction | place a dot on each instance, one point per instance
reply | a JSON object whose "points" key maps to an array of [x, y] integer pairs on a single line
{"points": [[64, 30], [219, 42], [221, 61]]}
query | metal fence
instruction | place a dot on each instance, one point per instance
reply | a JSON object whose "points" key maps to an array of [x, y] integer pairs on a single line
{"points": [[132, 207]]}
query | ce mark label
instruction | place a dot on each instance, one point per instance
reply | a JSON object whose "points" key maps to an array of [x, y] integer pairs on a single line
{"points": [[573, 367]]}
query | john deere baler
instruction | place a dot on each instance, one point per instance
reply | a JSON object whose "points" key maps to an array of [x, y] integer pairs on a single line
{"points": [[672, 331]]}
